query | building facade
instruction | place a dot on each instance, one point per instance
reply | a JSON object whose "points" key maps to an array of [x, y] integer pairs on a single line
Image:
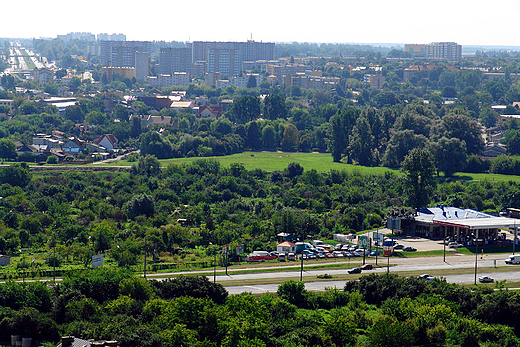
{"points": [[122, 53]]}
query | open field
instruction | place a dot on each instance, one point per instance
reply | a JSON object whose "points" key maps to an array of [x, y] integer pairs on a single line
{"points": [[321, 162]]}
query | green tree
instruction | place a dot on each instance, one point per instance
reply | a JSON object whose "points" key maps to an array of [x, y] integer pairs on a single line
{"points": [[254, 136], [251, 82], [341, 125], [141, 204], [450, 155], [419, 184], [16, 175], [246, 108], [290, 138], [7, 149], [269, 137], [361, 147], [275, 106]]}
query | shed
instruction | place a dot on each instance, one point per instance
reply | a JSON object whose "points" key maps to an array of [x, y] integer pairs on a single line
{"points": [[286, 247]]}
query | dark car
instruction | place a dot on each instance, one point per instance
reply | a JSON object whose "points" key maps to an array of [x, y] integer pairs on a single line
{"points": [[366, 267], [355, 270], [409, 249]]}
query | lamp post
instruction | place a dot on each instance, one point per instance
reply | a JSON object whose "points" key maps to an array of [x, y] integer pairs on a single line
{"points": [[54, 261], [444, 244], [301, 254], [144, 269], [476, 255], [214, 265]]}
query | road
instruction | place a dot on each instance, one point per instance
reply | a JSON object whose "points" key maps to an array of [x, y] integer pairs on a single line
{"points": [[420, 264]]}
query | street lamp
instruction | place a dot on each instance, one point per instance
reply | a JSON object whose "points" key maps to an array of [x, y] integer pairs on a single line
{"points": [[301, 254], [476, 255], [214, 265]]}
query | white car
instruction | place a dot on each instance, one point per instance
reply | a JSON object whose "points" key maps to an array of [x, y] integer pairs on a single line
{"points": [[455, 245]]}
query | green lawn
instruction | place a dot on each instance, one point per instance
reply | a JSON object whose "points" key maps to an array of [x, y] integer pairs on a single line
{"points": [[321, 162]]}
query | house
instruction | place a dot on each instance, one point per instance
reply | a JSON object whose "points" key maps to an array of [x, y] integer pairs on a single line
{"points": [[493, 150], [209, 112], [108, 141], [22, 148], [181, 105], [73, 146], [286, 247]]}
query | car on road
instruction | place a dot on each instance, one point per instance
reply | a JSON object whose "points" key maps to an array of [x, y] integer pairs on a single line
{"points": [[355, 270], [409, 249], [485, 279], [366, 267], [455, 245], [426, 277], [398, 247]]}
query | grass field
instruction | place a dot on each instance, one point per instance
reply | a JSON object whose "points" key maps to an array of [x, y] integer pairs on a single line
{"points": [[321, 162]]}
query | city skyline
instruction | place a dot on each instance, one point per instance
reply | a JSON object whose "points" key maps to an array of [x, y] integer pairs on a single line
{"points": [[376, 21]]}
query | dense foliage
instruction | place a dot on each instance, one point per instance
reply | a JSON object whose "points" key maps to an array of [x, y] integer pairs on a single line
{"points": [[377, 310]]}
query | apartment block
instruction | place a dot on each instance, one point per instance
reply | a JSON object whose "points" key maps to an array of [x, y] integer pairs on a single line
{"points": [[175, 59], [168, 80], [122, 53], [435, 50]]}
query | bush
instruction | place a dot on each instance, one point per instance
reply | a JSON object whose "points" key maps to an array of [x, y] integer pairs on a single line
{"points": [[52, 159]]}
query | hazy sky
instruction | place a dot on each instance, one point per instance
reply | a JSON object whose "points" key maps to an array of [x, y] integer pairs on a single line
{"points": [[372, 21]]}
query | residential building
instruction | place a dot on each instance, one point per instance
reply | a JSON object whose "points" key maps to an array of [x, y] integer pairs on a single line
{"points": [[415, 50], [122, 71], [111, 37], [77, 36], [108, 141], [142, 66], [122, 53], [209, 112], [168, 80], [280, 70], [174, 59], [224, 60], [73, 146], [374, 81], [43, 75], [7, 102], [435, 50]]}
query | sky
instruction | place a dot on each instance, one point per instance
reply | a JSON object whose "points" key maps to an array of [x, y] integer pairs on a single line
{"points": [[474, 22]]}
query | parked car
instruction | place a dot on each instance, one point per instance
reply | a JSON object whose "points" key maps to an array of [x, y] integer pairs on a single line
{"points": [[398, 247], [366, 267], [338, 246], [329, 255], [281, 257], [409, 249], [355, 270], [426, 277], [338, 254], [320, 255], [291, 257], [485, 279], [455, 245], [374, 253]]}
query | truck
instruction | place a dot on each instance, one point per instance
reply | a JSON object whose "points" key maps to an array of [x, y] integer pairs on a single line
{"points": [[317, 243], [513, 259], [260, 256], [300, 246]]}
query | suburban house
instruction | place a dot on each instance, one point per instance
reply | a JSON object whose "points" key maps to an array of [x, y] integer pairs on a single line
{"points": [[108, 141], [209, 112], [73, 146]]}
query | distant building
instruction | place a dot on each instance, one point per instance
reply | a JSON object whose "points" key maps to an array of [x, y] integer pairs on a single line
{"points": [[374, 81], [122, 53], [435, 50], [43, 75], [77, 36], [111, 37], [122, 71], [7, 102], [142, 66], [174, 59], [108, 141], [168, 80]]}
